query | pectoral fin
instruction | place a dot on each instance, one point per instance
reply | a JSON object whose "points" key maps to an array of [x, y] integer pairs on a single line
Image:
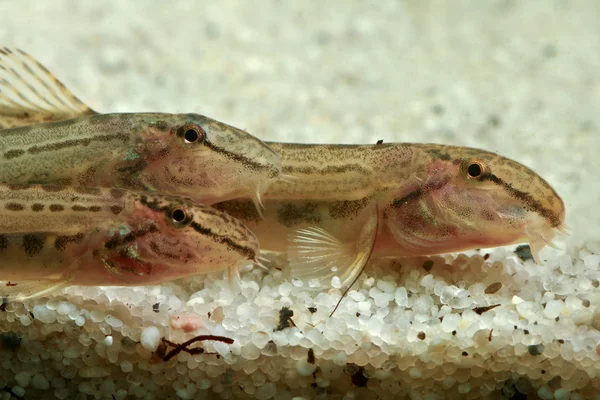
{"points": [[24, 290], [316, 253], [260, 207], [30, 94], [27, 289]]}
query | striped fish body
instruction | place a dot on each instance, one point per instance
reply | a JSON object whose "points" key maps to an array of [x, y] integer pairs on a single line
{"points": [[347, 203], [48, 136], [52, 236], [143, 151]]}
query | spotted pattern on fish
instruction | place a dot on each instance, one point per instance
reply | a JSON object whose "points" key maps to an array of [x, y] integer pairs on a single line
{"points": [[291, 214], [116, 209], [60, 243], [116, 193], [14, 207], [156, 248], [10, 154], [3, 243], [347, 208], [87, 237], [53, 188], [33, 244], [88, 190]]}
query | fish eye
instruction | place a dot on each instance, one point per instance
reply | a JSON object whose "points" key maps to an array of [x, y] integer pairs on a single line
{"points": [[191, 133], [179, 217], [474, 169]]}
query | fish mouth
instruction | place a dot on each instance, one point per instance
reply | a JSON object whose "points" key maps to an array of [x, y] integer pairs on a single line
{"points": [[547, 205], [536, 229], [511, 221], [541, 234], [540, 226]]}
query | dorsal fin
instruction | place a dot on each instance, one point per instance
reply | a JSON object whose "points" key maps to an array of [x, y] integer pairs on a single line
{"points": [[30, 94]]}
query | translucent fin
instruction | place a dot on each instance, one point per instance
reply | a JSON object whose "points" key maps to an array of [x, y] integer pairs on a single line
{"points": [[260, 263], [273, 259], [540, 239], [563, 230], [535, 252], [30, 94], [262, 258], [314, 253], [258, 204], [28, 289], [234, 280], [288, 178], [25, 290], [233, 274]]}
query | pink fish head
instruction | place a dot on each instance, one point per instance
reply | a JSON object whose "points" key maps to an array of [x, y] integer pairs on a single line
{"points": [[169, 238], [204, 159], [464, 198]]}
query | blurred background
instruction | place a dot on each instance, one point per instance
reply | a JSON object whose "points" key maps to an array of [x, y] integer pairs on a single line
{"points": [[517, 78]]}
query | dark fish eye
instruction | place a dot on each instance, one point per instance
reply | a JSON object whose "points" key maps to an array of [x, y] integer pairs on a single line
{"points": [[191, 133], [474, 170], [179, 217]]}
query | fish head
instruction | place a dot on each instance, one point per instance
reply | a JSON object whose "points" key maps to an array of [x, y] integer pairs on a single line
{"points": [[464, 198], [207, 160], [170, 238]]}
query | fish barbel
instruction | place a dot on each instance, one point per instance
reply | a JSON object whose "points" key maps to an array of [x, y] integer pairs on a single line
{"points": [[55, 236], [48, 136], [348, 203]]}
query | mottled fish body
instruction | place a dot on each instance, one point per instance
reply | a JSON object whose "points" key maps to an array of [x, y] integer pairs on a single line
{"points": [[48, 136], [329, 208], [53, 236], [348, 203]]}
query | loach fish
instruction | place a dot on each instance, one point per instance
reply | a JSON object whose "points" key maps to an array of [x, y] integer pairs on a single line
{"points": [[56, 236], [48, 136], [348, 203]]}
